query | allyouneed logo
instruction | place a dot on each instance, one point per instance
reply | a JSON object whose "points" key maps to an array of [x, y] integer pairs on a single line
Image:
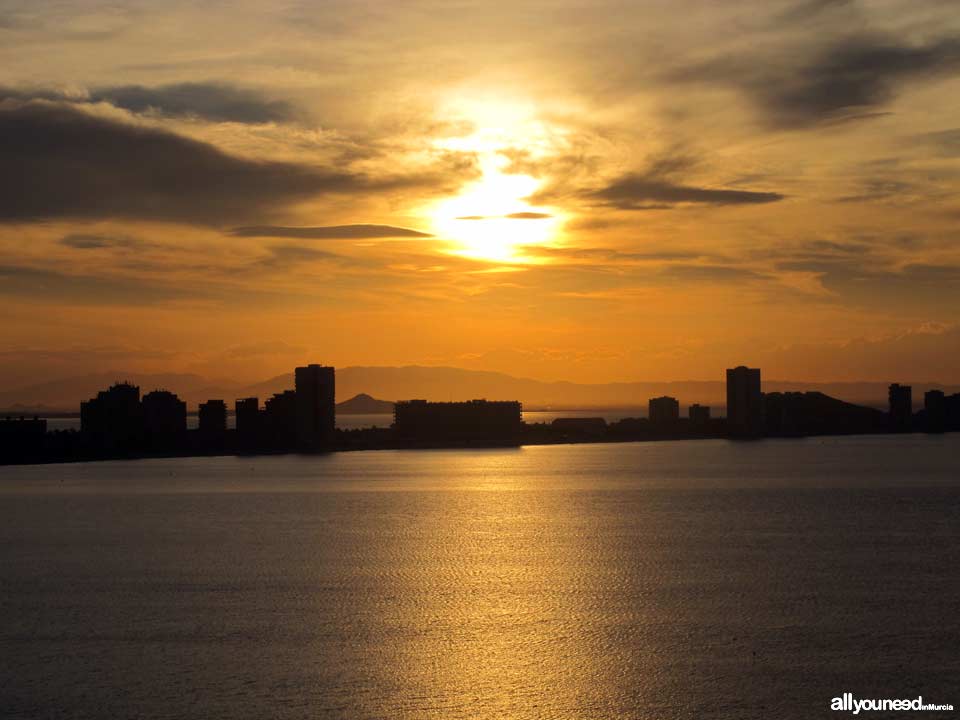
{"points": [[849, 703]]}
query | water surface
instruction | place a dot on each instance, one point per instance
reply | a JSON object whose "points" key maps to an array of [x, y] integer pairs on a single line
{"points": [[651, 580]]}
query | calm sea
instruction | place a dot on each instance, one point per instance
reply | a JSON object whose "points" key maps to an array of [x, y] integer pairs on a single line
{"points": [[699, 579]]}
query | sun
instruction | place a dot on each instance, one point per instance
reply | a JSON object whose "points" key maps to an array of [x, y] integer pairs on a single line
{"points": [[493, 217]]}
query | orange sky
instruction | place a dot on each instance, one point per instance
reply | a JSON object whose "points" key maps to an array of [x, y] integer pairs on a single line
{"points": [[563, 190]]}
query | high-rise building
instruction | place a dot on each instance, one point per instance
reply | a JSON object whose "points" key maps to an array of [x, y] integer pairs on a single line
{"points": [[315, 405], [113, 420], [247, 417], [663, 410], [744, 402], [901, 406], [280, 420], [935, 410], [164, 418], [699, 414], [212, 418]]}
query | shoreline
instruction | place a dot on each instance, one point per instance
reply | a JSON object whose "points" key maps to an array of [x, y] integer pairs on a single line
{"points": [[529, 442]]}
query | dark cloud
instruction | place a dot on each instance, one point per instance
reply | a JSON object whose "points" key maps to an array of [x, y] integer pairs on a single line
{"points": [[852, 75], [210, 101], [332, 232], [85, 241], [848, 78], [60, 162], [652, 191], [216, 102]]}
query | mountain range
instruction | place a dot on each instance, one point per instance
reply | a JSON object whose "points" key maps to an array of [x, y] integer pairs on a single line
{"points": [[433, 383]]}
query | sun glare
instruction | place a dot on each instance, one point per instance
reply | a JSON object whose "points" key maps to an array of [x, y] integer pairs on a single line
{"points": [[492, 218]]}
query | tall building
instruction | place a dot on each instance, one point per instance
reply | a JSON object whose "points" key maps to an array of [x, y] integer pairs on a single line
{"points": [[212, 418], [247, 418], [663, 410], [901, 406], [280, 420], [935, 410], [744, 402], [164, 418], [699, 414], [315, 405], [113, 420], [479, 421]]}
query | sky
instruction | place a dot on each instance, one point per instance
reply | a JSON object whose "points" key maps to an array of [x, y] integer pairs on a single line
{"points": [[588, 191]]}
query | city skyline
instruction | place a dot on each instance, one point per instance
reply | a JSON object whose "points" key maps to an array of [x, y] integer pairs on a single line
{"points": [[537, 189], [118, 424]]}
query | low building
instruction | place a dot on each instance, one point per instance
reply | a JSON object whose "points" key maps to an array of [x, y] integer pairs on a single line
{"points": [[473, 421], [21, 438], [699, 414], [663, 410]]}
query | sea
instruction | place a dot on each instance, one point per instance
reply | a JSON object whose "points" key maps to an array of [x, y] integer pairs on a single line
{"points": [[661, 580]]}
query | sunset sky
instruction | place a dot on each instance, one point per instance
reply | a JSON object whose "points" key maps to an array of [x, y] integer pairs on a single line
{"points": [[589, 191]]}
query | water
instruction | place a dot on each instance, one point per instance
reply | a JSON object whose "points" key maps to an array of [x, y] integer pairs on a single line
{"points": [[702, 579]]}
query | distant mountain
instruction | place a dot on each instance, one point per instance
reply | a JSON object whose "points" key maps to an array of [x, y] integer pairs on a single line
{"points": [[363, 404], [443, 383]]}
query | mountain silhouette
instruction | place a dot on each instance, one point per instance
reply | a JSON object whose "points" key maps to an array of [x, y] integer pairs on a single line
{"points": [[439, 383]]}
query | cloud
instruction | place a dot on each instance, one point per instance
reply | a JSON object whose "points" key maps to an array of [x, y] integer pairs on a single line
{"points": [[528, 216], [878, 189], [287, 256], [47, 285], [85, 241], [711, 273], [946, 143], [61, 162], [848, 78], [510, 216], [216, 102], [651, 191], [332, 232], [607, 255]]}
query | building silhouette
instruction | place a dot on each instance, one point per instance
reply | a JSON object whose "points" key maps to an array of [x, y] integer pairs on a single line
{"points": [[247, 419], [935, 410], [744, 402], [279, 420], [164, 418], [813, 413], [900, 398], [22, 438], [480, 421], [315, 405], [212, 418], [113, 420], [699, 414], [663, 410]]}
